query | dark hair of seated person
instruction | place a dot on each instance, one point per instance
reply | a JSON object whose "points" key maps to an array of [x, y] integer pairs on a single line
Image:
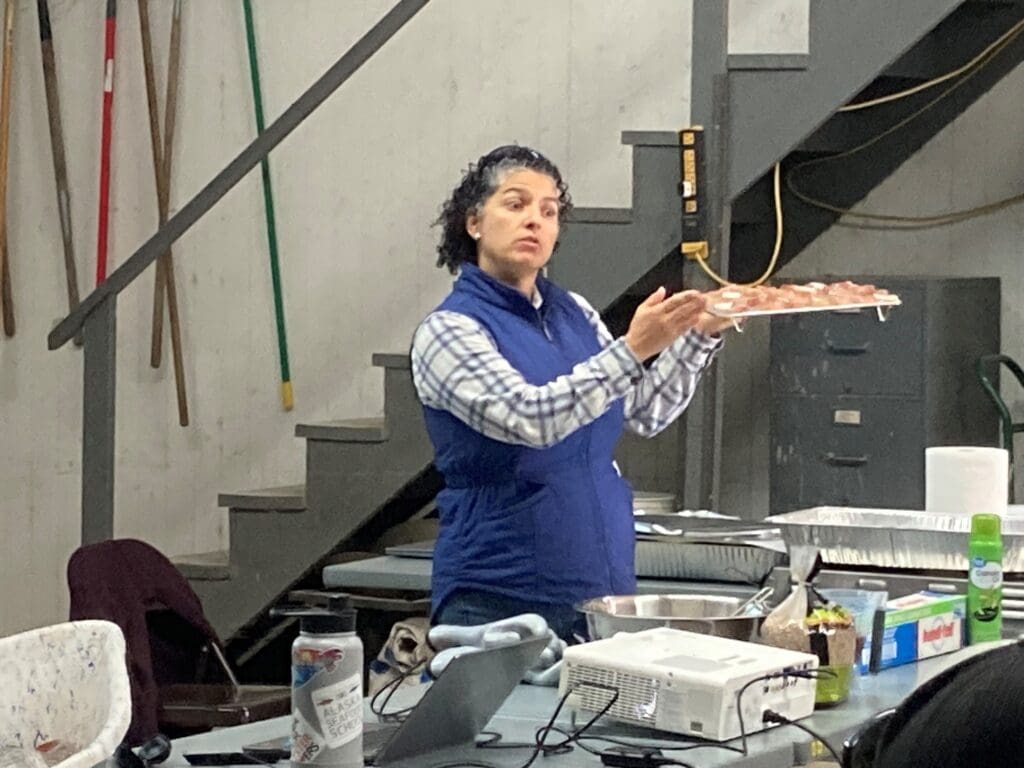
{"points": [[970, 716]]}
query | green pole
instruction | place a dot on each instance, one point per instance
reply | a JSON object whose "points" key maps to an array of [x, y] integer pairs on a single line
{"points": [[287, 398]]}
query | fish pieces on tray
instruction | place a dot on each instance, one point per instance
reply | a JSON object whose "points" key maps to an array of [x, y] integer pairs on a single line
{"points": [[740, 300]]}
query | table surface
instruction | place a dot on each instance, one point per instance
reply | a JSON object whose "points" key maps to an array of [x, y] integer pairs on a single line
{"points": [[413, 573], [529, 707]]}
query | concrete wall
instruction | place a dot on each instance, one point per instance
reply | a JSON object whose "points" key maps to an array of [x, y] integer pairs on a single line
{"points": [[975, 160], [357, 187]]}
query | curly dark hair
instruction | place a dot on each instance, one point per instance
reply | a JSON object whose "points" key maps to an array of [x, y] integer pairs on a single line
{"points": [[478, 183]]}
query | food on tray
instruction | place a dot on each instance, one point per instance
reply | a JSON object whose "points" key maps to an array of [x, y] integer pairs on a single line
{"points": [[740, 299]]}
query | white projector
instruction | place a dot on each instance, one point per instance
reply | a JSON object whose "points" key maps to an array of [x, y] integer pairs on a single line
{"points": [[687, 683]]}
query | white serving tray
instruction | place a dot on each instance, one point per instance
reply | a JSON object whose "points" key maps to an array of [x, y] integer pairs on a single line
{"points": [[882, 307]]}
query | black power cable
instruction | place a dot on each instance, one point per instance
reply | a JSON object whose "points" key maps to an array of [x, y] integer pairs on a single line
{"points": [[389, 689], [635, 754], [540, 745], [775, 717], [813, 674]]}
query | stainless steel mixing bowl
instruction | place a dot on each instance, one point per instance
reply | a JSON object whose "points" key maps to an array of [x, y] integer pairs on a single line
{"points": [[706, 614]]}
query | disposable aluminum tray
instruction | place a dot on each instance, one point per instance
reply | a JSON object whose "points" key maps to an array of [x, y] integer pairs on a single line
{"points": [[894, 538], [734, 561]]}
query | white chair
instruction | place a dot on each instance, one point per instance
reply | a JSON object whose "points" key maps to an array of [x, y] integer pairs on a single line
{"points": [[64, 695]]}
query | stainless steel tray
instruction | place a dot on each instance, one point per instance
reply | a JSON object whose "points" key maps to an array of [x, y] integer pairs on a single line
{"points": [[894, 538]]}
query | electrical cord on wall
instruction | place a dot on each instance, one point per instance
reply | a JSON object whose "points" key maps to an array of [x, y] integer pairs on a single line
{"points": [[863, 219], [974, 62], [777, 191]]}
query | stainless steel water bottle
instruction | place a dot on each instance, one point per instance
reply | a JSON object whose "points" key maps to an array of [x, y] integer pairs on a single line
{"points": [[327, 690]]}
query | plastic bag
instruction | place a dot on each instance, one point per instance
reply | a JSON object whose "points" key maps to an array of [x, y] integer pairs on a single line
{"points": [[405, 653], [804, 621]]}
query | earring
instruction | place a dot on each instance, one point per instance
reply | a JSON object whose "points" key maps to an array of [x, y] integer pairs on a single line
{"points": [[475, 235]]}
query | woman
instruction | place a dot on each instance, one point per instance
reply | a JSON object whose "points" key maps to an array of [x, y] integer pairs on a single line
{"points": [[526, 394]]}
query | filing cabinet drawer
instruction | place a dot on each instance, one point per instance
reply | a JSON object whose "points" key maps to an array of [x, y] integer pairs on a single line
{"points": [[846, 451], [837, 353]]}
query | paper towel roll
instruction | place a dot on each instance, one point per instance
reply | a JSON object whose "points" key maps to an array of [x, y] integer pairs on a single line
{"points": [[966, 480]]}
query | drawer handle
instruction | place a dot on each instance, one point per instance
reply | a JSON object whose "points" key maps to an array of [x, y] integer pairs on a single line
{"points": [[850, 349], [844, 461]]}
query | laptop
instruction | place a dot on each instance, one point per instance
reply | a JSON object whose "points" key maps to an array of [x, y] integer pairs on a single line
{"points": [[454, 709]]}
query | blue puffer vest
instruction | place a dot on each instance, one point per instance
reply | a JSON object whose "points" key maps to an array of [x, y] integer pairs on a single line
{"points": [[552, 525]]}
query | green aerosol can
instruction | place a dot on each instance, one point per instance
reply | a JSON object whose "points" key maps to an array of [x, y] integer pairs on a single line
{"points": [[985, 580]]}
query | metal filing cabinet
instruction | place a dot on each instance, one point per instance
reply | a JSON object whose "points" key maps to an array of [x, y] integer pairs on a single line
{"points": [[855, 402]]}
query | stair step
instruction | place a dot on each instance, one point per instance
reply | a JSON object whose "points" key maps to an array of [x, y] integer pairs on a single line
{"points": [[283, 498], [769, 111], [204, 566], [602, 216], [650, 138], [958, 38], [372, 430], [771, 61], [391, 360], [846, 130]]}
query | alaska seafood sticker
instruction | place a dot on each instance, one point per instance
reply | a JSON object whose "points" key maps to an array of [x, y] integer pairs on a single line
{"points": [[339, 710]]}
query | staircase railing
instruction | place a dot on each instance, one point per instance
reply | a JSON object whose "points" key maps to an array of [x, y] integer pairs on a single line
{"points": [[96, 316]]}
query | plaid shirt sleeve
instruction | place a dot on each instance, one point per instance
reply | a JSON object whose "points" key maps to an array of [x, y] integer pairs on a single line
{"points": [[666, 388], [456, 367]]}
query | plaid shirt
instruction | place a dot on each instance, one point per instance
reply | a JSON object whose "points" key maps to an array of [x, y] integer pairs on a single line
{"points": [[456, 367]]}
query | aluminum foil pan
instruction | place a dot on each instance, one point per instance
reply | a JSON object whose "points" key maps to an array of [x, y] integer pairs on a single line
{"points": [[894, 538], [728, 561]]}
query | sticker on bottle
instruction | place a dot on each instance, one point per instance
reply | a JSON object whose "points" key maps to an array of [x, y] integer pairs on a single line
{"points": [[339, 708], [305, 740], [986, 575]]}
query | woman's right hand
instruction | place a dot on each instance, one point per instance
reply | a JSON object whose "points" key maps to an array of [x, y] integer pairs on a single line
{"points": [[659, 321]]}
